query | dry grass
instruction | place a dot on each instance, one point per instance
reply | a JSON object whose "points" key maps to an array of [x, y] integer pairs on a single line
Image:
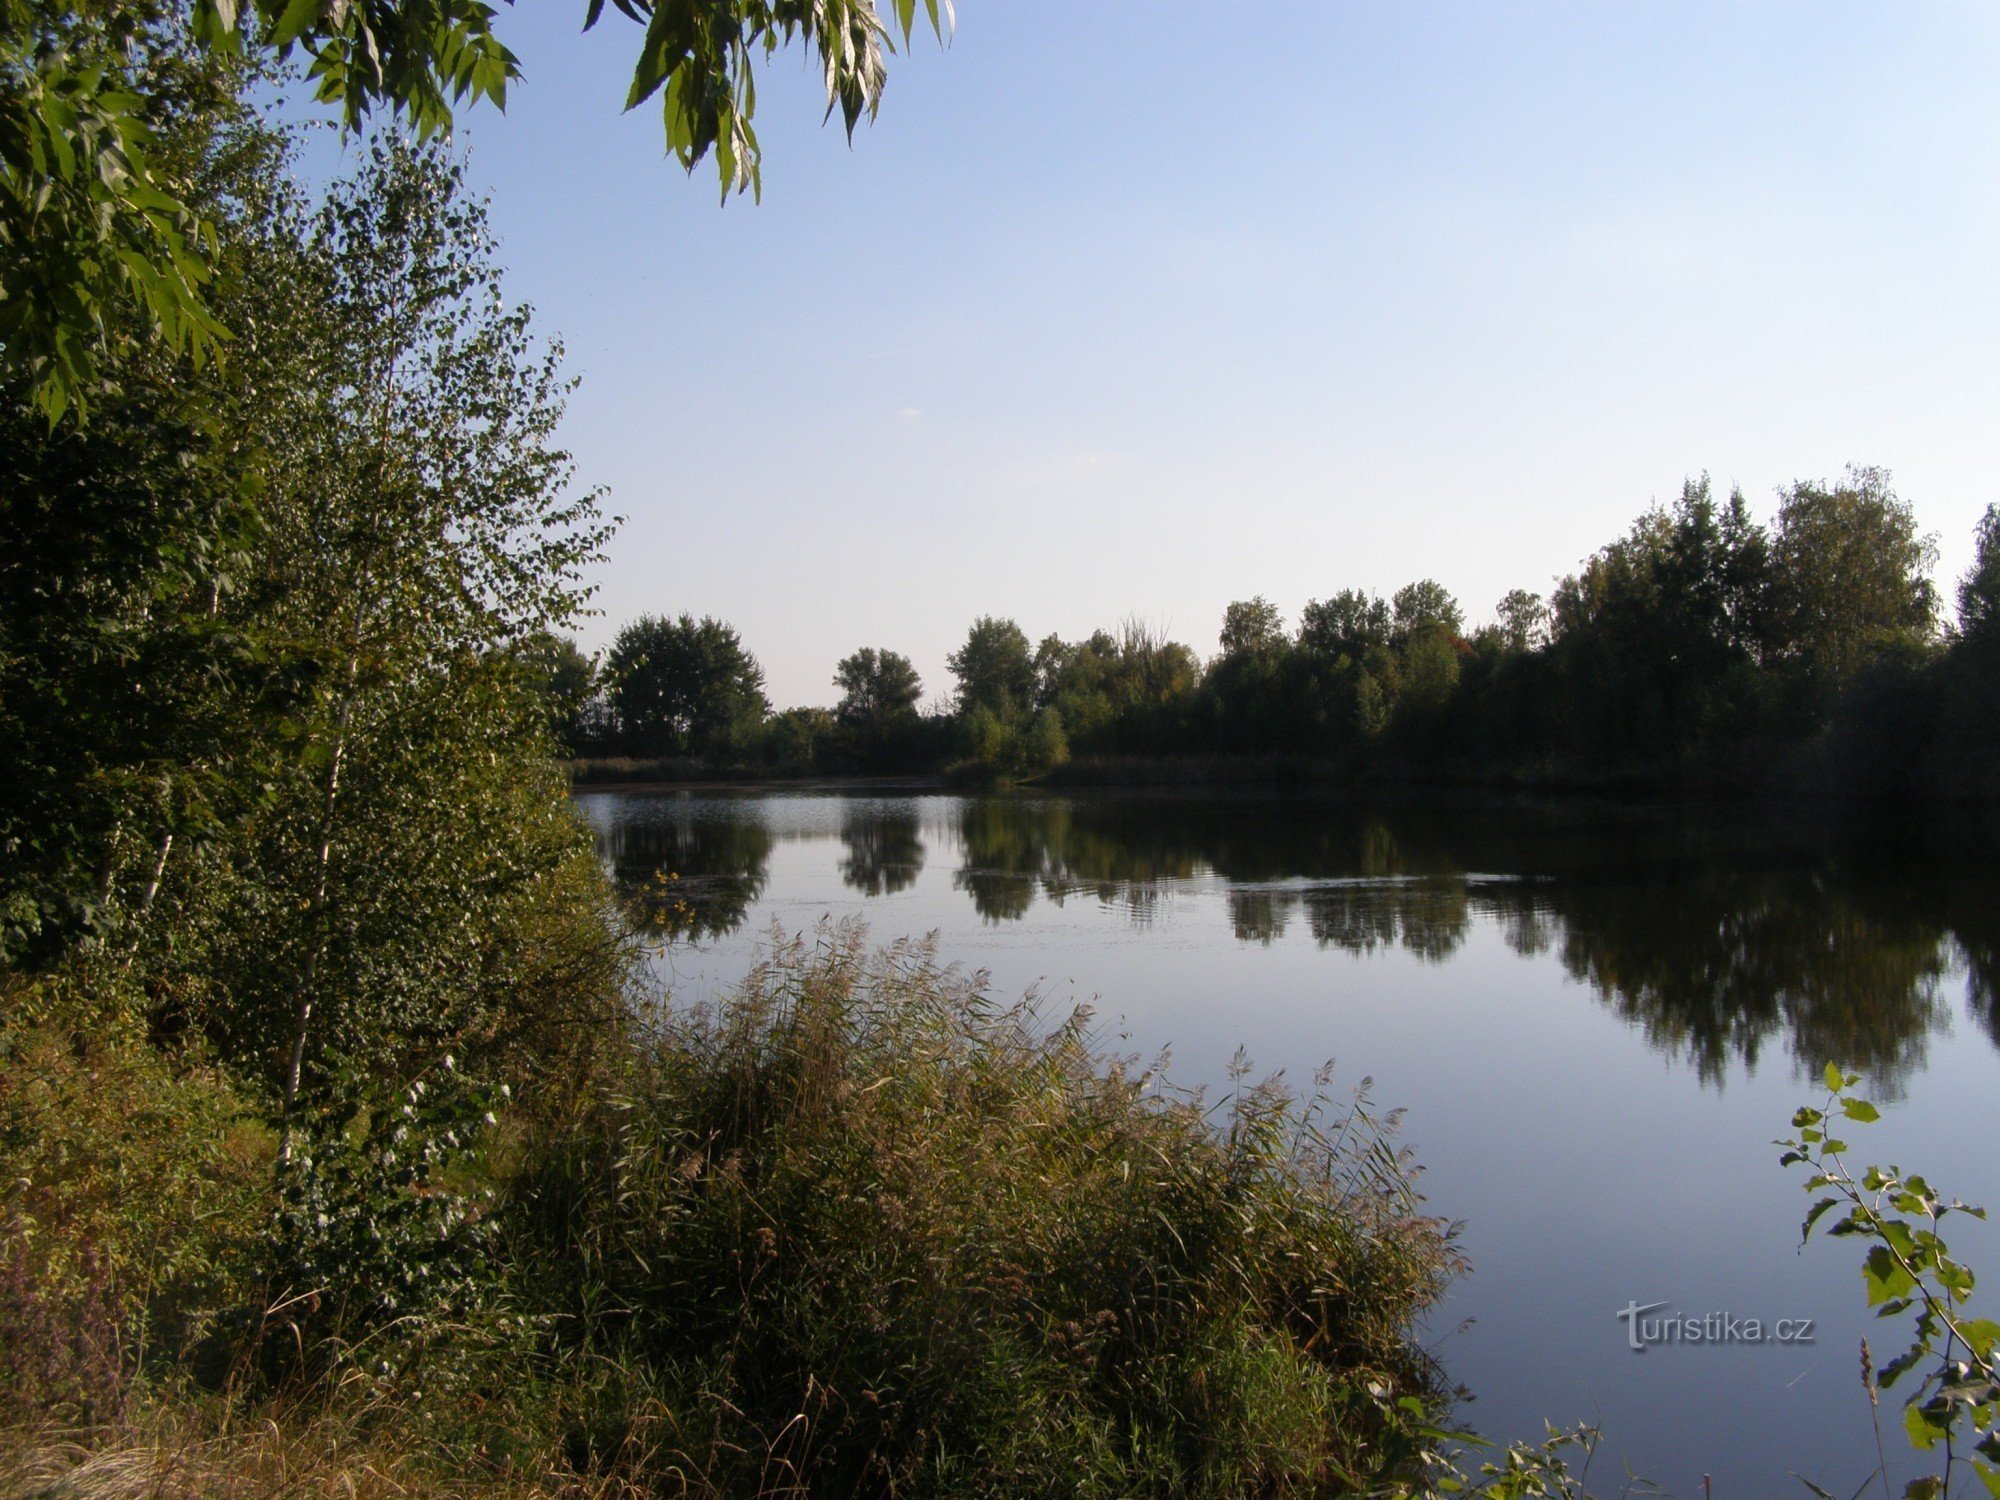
{"points": [[276, 1456]]}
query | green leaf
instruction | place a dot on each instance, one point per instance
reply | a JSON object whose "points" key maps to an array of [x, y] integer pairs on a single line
{"points": [[1924, 1432], [1982, 1334], [1814, 1214], [1833, 1080], [1861, 1110], [1898, 1367], [1885, 1277]]}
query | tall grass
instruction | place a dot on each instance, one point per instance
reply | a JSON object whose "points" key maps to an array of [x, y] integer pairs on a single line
{"points": [[860, 1229]]}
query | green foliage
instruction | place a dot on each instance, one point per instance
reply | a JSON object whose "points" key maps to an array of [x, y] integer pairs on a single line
{"points": [[101, 244], [1252, 627], [135, 1181], [859, 1228], [995, 669], [797, 742], [98, 241], [1979, 590], [129, 675], [370, 1225], [289, 835], [1423, 608], [1521, 1471], [984, 734], [1244, 684], [698, 56], [1047, 745], [877, 688], [1524, 620], [1699, 651], [684, 687], [116, 548], [1131, 691], [1851, 576], [556, 670], [1908, 1268], [1659, 638], [1348, 624]]}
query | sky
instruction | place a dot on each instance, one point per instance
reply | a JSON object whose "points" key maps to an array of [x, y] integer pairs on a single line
{"points": [[1137, 307]]}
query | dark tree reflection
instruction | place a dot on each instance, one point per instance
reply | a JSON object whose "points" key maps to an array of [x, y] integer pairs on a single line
{"points": [[1716, 941], [1259, 915], [885, 854], [686, 870], [1712, 970], [1723, 941], [1978, 933]]}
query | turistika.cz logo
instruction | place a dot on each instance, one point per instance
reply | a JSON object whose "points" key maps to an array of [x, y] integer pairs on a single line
{"points": [[1642, 1332]]}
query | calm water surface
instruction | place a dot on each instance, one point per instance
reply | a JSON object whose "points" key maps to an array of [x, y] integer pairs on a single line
{"points": [[1596, 1019]]}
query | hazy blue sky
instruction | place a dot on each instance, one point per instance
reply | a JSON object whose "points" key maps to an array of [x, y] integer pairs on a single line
{"points": [[1137, 308]]}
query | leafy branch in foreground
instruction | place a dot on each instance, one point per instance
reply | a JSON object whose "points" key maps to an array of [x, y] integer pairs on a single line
{"points": [[1908, 1268], [99, 243]]}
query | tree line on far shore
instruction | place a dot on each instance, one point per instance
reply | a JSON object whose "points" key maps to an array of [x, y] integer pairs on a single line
{"points": [[1702, 647]]}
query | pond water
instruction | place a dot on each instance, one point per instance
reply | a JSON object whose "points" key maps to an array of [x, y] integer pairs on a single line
{"points": [[1596, 1019]]}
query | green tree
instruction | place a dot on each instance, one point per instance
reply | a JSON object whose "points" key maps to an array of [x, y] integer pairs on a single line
{"points": [[794, 742], [1524, 620], [1662, 637], [1251, 627], [877, 688], [1247, 704], [1347, 624], [1046, 745], [684, 686], [1979, 590], [417, 516], [342, 861], [995, 669], [1423, 607], [1153, 672], [1851, 576], [135, 692], [100, 241], [1428, 672], [1125, 692]]}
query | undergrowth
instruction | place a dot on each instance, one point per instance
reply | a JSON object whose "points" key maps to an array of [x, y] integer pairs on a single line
{"points": [[857, 1228]]}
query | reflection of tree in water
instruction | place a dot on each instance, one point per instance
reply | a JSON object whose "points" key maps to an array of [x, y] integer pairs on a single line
{"points": [[687, 873], [1005, 857], [1354, 918], [1713, 939], [1977, 928], [1528, 925], [1377, 892], [884, 852], [1259, 914], [1429, 917], [1017, 846], [1711, 968]]}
